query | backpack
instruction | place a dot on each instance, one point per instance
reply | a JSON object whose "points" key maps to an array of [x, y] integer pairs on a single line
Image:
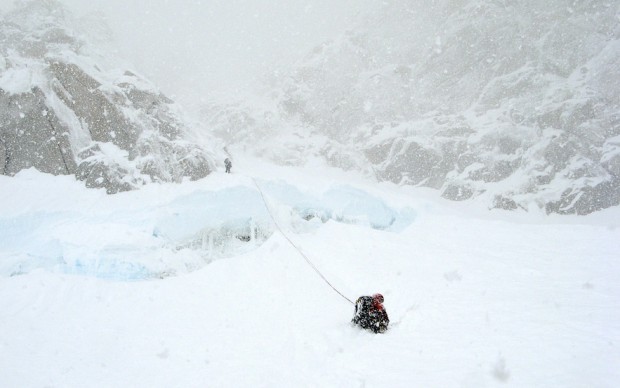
{"points": [[368, 317]]}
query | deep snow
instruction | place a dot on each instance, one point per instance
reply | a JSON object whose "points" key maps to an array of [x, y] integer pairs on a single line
{"points": [[152, 288]]}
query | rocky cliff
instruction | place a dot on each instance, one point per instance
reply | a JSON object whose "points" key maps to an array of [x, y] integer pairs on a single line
{"points": [[66, 108], [514, 103]]}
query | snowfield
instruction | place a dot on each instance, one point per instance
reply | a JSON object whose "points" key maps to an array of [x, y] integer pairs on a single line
{"points": [[193, 285]]}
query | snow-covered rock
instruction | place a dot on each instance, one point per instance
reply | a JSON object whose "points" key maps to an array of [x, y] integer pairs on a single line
{"points": [[517, 103], [65, 108]]}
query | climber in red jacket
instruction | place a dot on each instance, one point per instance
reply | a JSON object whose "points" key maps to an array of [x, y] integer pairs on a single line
{"points": [[370, 313]]}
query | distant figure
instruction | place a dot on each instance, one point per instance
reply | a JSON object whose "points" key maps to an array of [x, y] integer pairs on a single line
{"points": [[228, 165], [370, 313]]}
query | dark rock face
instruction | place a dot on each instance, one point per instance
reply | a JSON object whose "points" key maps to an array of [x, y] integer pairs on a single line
{"points": [[103, 118], [32, 136], [61, 113], [587, 200]]}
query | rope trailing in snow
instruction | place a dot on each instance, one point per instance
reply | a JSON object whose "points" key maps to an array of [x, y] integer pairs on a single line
{"points": [[295, 246]]}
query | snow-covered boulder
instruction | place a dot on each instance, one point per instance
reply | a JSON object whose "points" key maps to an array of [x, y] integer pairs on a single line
{"points": [[65, 109]]}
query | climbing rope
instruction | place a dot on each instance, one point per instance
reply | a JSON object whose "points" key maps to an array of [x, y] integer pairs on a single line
{"points": [[294, 245]]}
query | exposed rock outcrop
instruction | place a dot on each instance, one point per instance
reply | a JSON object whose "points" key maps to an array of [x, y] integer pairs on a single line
{"points": [[65, 110], [516, 103]]}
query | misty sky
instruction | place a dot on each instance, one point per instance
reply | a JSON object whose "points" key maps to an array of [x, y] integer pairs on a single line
{"points": [[193, 48]]}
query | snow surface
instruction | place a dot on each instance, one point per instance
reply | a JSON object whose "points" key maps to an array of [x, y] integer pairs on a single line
{"points": [[155, 287]]}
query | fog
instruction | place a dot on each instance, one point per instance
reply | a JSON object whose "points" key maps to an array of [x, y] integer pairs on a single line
{"points": [[196, 49]]}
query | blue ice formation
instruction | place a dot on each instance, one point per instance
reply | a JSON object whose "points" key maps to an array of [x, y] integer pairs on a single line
{"points": [[342, 203], [220, 221], [188, 215]]}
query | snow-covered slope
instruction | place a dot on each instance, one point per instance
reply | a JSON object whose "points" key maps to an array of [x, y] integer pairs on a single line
{"points": [[517, 103], [476, 298], [68, 107]]}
